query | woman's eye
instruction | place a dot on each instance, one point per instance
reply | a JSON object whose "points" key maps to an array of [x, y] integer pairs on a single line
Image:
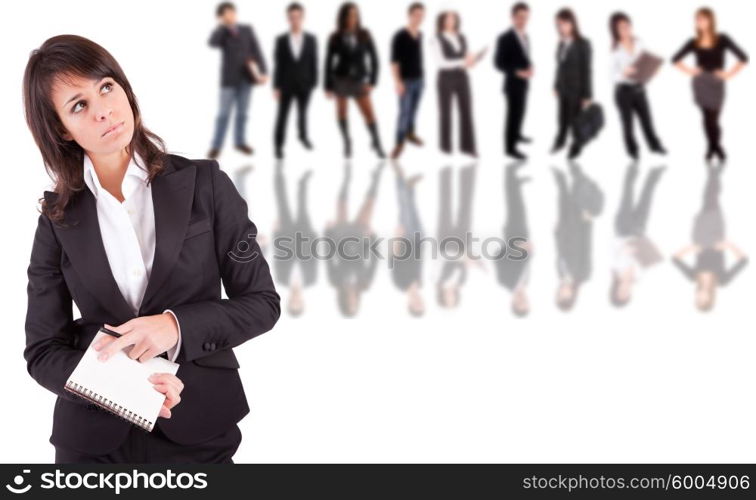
{"points": [[107, 87], [77, 107]]}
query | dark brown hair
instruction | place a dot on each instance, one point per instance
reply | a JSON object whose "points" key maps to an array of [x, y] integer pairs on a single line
{"points": [[518, 7], [442, 16], [65, 56], [343, 16], [415, 6], [709, 14], [569, 16], [614, 21]]}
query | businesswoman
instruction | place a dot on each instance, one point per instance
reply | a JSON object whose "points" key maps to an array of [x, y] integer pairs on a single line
{"points": [[351, 70], [629, 93], [140, 240], [572, 85], [709, 74], [454, 59]]}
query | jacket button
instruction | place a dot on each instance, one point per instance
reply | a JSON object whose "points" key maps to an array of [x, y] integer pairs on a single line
{"points": [[206, 346], [212, 346]]}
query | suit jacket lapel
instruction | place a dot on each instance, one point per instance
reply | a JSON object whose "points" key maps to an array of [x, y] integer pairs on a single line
{"points": [[82, 243], [172, 196]]}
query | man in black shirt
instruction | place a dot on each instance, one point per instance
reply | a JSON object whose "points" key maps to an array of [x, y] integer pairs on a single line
{"points": [[407, 68], [241, 53], [513, 59]]}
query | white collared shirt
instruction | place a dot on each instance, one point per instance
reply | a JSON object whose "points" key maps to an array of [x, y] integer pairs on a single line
{"points": [[622, 59], [296, 40], [441, 60], [128, 233], [523, 39], [566, 42]]}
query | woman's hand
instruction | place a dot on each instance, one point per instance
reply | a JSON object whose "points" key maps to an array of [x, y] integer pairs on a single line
{"points": [[586, 103], [149, 336], [329, 94], [399, 88], [470, 60], [171, 386], [722, 75], [368, 88], [629, 71]]}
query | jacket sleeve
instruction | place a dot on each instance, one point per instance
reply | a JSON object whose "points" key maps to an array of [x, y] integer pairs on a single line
{"points": [[277, 76], [502, 59], [373, 57], [50, 353], [329, 58], [314, 61], [257, 53], [252, 306], [218, 36], [587, 71]]}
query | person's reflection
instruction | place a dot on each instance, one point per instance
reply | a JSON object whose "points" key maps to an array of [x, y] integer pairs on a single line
{"points": [[406, 252], [632, 250], [709, 245], [352, 267], [453, 235], [294, 262], [240, 179], [578, 205], [513, 265]]}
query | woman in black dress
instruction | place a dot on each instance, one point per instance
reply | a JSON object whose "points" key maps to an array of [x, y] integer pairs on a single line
{"points": [[709, 74], [351, 70]]}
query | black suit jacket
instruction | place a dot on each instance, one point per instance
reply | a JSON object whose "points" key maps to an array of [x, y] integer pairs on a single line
{"points": [[202, 228], [295, 75], [510, 57], [237, 50], [573, 77]]}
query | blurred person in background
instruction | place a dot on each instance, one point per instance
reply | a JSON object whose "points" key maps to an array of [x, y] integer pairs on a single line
{"points": [[351, 71], [242, 65], [709, 74], [295, 74], [408, 72]]}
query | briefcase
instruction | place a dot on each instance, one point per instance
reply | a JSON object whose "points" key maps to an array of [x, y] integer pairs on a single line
{"points": [[708, 90], [588, 123]]}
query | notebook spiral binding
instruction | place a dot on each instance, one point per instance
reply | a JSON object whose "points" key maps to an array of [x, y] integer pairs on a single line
{"points": [[109, 405]]}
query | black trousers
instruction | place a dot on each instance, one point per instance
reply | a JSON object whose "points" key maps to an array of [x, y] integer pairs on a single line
{"points": [[516, 97], [631, 100], [154, 447], [287, 98], [454, 82], [569, 108]]}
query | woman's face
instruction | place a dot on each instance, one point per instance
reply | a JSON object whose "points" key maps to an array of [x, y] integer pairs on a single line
{"points": [[703, 23], [95, 113], [564, 28], [450, 22], [625, 30], [352, 18]]}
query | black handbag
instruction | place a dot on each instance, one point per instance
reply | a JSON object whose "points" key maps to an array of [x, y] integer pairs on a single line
{"points": [[588, 123]]}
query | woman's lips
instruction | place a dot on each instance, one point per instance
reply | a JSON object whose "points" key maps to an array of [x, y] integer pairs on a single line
{"points": [[114, 129]]}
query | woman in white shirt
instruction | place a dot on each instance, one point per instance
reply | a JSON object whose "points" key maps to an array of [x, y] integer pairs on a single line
{"points": [[629, 94], [453, 59], [141, 241]]}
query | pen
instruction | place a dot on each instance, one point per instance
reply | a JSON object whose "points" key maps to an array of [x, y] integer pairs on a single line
{"points": [[110, 332]]}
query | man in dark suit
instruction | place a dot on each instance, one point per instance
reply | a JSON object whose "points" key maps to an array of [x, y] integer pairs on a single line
{"points": [[243, 65], [203, 237], [294, 76], [513, 59]]}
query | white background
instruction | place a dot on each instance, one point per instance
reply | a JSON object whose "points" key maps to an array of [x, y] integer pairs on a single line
{"points": [[655, 382]]}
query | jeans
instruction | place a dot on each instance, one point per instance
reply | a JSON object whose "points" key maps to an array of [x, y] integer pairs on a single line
{"points": [[408, 104], [230, 95]]}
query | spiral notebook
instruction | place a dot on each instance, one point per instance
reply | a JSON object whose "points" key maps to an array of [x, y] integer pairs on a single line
{"points": [[119, 385]]}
